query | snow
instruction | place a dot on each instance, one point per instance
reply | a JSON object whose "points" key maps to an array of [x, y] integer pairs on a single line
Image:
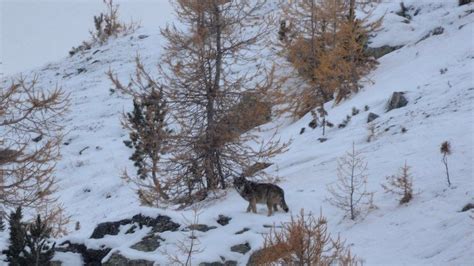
{"points": [[428, 230]]}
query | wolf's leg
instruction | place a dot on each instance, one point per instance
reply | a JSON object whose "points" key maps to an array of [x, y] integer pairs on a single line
{"points": [[253, 202], [269, 205], [275, 207], [250, 206]]}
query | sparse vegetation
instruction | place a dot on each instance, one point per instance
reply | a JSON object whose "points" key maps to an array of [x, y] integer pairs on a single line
{"points": [[401, 184], [304, 241], [445, 150], [107, 24], [349, 193]]}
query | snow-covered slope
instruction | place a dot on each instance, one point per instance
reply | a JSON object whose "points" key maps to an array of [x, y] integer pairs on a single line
{"points": [[429, 230]]}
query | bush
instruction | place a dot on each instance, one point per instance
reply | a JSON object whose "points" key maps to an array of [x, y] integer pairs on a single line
{"points": [[402, 184], [304, 241], [108, 25]]}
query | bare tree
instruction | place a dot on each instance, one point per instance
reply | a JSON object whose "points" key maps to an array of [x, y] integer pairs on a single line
{"points": [[349, 193], [208, 68], [401, 184], [30, 136], [445, 149], [191, 245], [304, 241]]}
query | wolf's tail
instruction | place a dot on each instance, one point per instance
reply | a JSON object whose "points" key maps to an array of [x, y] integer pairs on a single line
{"points": [[283, 203]]}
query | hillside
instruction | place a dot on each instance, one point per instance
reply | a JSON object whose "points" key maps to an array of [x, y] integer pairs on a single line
{"points": [[434, 69]]}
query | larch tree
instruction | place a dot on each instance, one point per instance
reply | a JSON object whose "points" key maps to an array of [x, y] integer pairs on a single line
{"points": [[30, 136], [325, 43], [209, 68]]}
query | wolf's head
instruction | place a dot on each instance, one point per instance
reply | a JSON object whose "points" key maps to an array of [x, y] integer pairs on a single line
{"points": [[239, 182]]}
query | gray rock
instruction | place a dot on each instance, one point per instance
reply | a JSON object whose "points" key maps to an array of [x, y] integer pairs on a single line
{"points": [[148, 243], [89, 256], [371, 117], [218, 263], [142, 36], [159, 224], [397, 100], [201, 227], [118, 260], [223, 220], [241, 248], [378, 52], [437, 31], [245, 229]]}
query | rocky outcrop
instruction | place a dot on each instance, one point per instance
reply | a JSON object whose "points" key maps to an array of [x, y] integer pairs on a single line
{"points": [[372, 117], [241, 248], [378, 52], [90, 257], [118, 260], [397, 100], [148, 243], [159, 224]]}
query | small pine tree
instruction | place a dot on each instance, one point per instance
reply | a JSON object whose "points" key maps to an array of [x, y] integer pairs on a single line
{"points": [[445, 149], [17, 239], [350, 193], [401, 184], [40, 251]]}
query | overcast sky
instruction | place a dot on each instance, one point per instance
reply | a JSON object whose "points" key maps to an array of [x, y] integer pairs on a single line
{"points": [[35, 32]]}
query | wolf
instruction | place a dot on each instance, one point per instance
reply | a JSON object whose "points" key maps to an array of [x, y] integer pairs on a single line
{"points": [[264, 193]]}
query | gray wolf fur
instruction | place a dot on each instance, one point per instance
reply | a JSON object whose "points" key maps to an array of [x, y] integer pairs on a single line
{"points": [[263, 193]]}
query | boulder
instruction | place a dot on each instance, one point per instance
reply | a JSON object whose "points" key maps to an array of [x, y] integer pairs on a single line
{"points": [[201, 227], [218, 263], [241, 248], [378, 52], [148, 243], [397, 100], [371, 117], [223, 220], [118, 260]]}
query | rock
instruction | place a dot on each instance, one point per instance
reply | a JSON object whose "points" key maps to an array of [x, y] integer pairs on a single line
{"points": [[118, 260], [371, 117], [148, 243], [378, 52], [437, 31], [313, 124], [302, 130], [468, 207], [397, 100], [218, 263], [90, 257], [245, 229], [223, 220], [201, 227], [81, 70], [241, 248], [142, 36], [322, 139], [159, 224]]}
